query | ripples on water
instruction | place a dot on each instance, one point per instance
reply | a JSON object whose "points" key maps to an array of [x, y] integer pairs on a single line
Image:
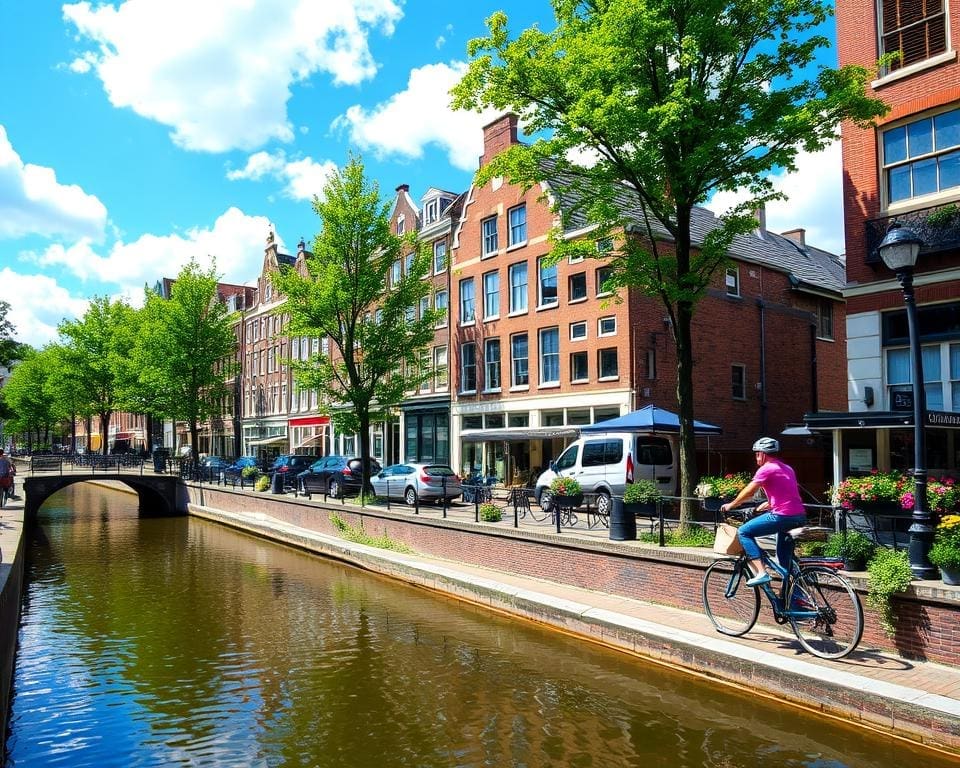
{"points": [[178, 642]]}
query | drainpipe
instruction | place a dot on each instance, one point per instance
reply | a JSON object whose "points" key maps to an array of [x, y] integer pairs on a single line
{"points": [[814, 394], [763, 367]]}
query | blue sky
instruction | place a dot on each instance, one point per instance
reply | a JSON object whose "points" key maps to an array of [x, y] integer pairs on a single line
{"points": [[137, 134]]}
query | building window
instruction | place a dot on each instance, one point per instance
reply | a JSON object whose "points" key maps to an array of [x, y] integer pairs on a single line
{"points": [[491, 364], [440, 304], [468, 367], [491, 295], [519, 361], [431, 211], [519, 419], [607, 363], [400, 225], [922, 157], [395, 273], [899, 370], [605, 245], [603, 275], [548, 282], [732, 281], [518, 287], [738, 379], [550, 356], [467, 302], [440, 367], [578, 366], [439, 256], [916, 28], [651, 363], [578, 286], [490, 242], [518, 225], [408, 263], [955, 377], [425, 370], [825, 319], [578, 331], [607, 326]]}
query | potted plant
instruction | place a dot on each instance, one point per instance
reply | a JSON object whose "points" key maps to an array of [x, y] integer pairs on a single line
{"points": [[888, 573], [718, 489], [945, 552], [873, 492], [566, 492], [853, 547], [490, 513], [640, 497], [943, 496]]}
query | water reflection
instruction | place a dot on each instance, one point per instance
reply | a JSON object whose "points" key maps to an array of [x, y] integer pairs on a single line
{"points": [[177, 642]]}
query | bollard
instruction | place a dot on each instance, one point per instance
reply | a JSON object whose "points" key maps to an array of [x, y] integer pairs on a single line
{"points": [[276, 483]]}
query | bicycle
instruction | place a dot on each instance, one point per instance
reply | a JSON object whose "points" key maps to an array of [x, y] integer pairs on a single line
{"points": [[823, 610]]}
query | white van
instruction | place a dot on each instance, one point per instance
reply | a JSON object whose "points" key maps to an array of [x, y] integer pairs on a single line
{"points": [[599, 463]]}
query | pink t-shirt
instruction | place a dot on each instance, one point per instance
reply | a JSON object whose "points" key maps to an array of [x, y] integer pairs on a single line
{"points": [[779, 482]]}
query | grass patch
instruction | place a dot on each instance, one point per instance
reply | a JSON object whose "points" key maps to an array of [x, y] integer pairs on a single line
{"points": [[359, 536], [692, 536]]}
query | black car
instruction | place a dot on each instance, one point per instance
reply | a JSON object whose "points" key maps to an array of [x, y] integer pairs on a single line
{"points": [[336, 476], [289, 465]]}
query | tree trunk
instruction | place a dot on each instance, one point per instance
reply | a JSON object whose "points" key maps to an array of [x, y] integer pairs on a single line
{"points": [[688, 449], [194, 441], [104, 430], [365, 451]]}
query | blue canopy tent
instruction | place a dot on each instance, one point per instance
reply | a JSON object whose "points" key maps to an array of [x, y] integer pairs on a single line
{"points": [[649, 419]]}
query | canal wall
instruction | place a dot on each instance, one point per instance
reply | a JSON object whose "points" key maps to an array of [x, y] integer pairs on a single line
{"points": [[927, 615], [12, 554]]}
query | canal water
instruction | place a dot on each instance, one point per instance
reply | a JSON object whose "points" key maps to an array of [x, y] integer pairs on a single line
{"points": [[178, 642]]}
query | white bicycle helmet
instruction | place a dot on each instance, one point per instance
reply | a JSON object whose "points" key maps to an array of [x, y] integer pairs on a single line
{"points": [[766, 445]]}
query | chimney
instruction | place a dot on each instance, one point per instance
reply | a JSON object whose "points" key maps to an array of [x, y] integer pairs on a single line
{"points": [[403, 188], [499, 136], [761, 215], [301, 246], [798, 236]]}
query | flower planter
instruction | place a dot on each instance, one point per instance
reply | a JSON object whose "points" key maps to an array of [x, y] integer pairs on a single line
{"points": [[713, 503], [640, 508], [567, 502], [950, 576]]}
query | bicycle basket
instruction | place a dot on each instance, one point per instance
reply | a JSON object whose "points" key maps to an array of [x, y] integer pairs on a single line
{"points": [[726, 541]]}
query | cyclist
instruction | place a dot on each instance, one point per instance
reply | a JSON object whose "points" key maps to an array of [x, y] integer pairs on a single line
{"points": [[779, 483]]}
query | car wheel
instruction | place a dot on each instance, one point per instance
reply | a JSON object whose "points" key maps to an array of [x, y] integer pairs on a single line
{"points": [[603, 503], [410, 496], [546, 500], [336, 489]]}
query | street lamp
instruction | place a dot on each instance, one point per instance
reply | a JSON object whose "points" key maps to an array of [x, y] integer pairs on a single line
{"points": [[899, 251]]}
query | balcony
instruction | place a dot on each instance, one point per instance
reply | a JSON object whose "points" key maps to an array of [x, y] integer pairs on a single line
{"points": [[938, 227]]}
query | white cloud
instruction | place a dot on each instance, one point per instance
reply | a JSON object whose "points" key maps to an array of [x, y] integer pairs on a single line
{"points": [[814, 199], [302, 178], [220, 73], [37, 305], [421, 115], [233, 240], [32, 201]]}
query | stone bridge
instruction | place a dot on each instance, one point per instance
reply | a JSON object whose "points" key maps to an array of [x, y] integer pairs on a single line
{"points": [[158, 494]]}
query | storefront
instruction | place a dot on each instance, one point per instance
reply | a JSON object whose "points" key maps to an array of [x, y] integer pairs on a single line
{"points": [[310, 434]]}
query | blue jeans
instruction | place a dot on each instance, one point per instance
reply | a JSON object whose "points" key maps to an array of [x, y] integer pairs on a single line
{"points": [[764, 525]]}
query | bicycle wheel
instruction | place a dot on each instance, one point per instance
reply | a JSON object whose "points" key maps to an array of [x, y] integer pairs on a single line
{"points": [[838, 625], [730, 604]]}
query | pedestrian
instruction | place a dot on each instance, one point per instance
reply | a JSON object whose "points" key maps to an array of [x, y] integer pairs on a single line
{"points": [[778, 481], [7, 470]]}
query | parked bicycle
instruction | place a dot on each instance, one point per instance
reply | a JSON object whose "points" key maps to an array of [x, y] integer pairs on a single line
{"points": [[819, 604]]}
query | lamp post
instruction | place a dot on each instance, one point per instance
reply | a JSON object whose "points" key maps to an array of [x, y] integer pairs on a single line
{"points": [[899, 251]]}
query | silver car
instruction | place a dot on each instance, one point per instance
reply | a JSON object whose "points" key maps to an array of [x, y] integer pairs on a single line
{"points": [[416, 481]]}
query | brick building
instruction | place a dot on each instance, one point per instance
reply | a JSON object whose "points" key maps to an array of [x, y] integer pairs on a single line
{"points": [[906, 171], [541, 348]]}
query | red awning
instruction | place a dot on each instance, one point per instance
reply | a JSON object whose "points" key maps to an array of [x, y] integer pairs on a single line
{"points": [[309, 421]]}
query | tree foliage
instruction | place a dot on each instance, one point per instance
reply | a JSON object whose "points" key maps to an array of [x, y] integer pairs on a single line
{"points": [[185, 351], [32, 393], [376, 338], [97, 357], [669, 101], [10, 348]]}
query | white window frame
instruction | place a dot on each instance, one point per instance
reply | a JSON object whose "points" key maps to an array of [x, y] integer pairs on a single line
{"points": [[545, 269], [468, 304], [442, 305], [910, 161], [607, 351], [607, 271], [519, 366], [464, 365], [731, 280], [515, 230], [439, 253], [491, 313], [489, 241], [574, 327], [492, 365], [514, 309], [549, 359], [581, 354], [610, 321]]}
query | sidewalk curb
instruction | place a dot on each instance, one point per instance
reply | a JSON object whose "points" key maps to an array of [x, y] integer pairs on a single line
{"points": [[909, 713]]}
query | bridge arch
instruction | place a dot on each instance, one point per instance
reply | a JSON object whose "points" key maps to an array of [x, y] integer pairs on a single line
{"points": [[157, 495]]}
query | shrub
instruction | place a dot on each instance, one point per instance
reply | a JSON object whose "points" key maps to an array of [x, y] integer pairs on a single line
{"points": [[565, 486], [641, 492], [490, 513], [856, 547], [248, 472], [888, 573], [722, 486], [263, 482], [945, 552]]}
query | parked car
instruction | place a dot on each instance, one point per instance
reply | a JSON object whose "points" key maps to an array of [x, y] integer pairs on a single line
{"points": [[213, 466], [415, 481], [290, 465], [235, 469], [336, 476]]}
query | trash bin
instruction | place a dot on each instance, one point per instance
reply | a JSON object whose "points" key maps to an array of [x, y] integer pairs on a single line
{"points": [[159, 460], [276, 483], [623, 526]]}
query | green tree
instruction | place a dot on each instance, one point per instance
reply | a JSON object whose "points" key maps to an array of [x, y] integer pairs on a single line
{"points": [[35, 412], [185, 351], [376, 338], [97, 356], [10, 348], [671, 101]]}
